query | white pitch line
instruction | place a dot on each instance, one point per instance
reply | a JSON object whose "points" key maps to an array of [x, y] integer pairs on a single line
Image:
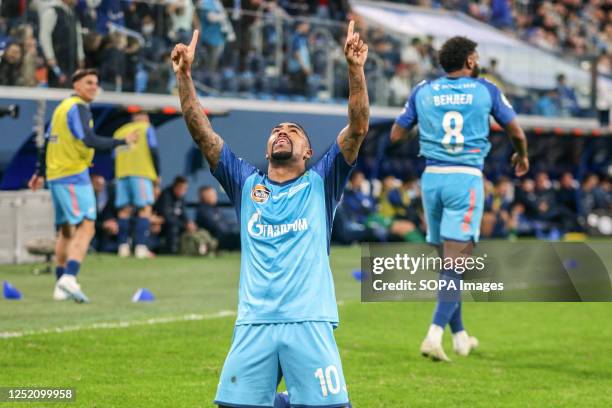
{"points": [[125, 324], [120, 324]]}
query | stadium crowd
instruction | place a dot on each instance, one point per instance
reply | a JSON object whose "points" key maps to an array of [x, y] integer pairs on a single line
{"points": [[282, 49], [578, 27]]}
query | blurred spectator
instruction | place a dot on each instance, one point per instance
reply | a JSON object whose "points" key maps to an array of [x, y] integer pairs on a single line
{"points": [[109, 12], [61, 41], [154, 45], [430, 56], [398, 209], [546, 204], [492, 74], [217, 222], [13, 12], [525, 195], [10, 65], [25, 37], [157, 222], [134, 11], [567, 199], [298, 65], [356, 200], [246, 20], [171, 208], [388, 54], [182, 17], [351, 223], [479, 9], [567, 97], [136, 76], [154, 53], [216, 31], [567, 196], [92, 48], [410, 56], [88, 15], [107, 228], [592, 196], [548, 104], [501, 14], [400, 86], [112, 62], [497, 221]]}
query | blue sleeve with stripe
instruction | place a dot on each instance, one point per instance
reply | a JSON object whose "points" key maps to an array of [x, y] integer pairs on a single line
{"points": [[408, 117], [501, 109]]}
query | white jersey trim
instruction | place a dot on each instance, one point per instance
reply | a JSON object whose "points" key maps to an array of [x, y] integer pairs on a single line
{"points": [[453, 169]]}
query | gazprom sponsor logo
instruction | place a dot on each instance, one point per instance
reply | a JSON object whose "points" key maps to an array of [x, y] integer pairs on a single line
{"points": [[258, 229]]}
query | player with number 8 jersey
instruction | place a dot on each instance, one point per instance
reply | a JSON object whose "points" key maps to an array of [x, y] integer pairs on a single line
{"points": [[453, 117]]}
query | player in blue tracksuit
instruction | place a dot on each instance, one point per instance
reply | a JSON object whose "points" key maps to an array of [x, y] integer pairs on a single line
{"points": [[453, 117], [287, 308]]}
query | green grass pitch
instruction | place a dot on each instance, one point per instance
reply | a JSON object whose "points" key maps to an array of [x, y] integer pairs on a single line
{"points": [[169, 353]]}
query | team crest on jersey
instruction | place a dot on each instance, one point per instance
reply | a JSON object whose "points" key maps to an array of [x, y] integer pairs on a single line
{"points": [[260, 193]]}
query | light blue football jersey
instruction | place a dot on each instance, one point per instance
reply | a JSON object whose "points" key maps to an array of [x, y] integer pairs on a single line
{"points": [[453, 117], [285, 231]]}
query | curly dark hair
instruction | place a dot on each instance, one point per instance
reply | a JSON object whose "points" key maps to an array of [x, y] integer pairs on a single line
{"points": [[454, 52]]}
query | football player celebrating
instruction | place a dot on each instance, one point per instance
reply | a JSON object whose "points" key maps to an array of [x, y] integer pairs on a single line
{"points": [[287, 307]]}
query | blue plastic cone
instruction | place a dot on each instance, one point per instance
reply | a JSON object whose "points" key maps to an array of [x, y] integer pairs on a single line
{"points": [[143, 295], [10, 292], [570, 263], [358, 275]]}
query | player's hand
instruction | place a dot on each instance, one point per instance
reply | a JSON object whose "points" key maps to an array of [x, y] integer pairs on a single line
{"points": [[355, 50], [132, 138], [36, 182], [520, 164], [183, 55]]}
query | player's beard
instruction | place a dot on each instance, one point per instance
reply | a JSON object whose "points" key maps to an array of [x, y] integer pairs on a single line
{"points": [[475, 71], [282, 156]]}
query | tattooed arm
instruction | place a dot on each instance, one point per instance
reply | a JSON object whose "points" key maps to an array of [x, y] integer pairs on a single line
{"points": [[209, 142], [351, 137]]}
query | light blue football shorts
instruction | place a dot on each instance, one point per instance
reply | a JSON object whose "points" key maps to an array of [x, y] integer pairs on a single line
{"points": [[72, 202], [304, 353], [453, 200], [134, 191]]}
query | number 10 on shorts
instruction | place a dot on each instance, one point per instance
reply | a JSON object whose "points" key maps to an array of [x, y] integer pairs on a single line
{"points": [[329, 379]]}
